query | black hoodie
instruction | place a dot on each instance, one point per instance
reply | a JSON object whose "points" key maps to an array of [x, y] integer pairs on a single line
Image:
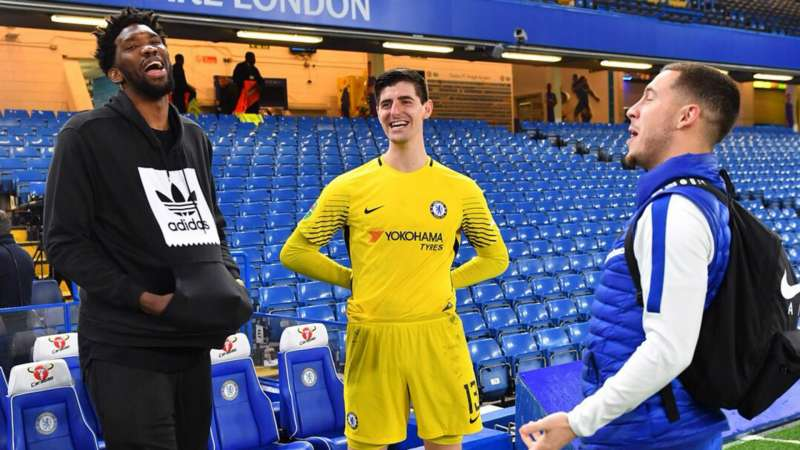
{"points": [[122, 216]]}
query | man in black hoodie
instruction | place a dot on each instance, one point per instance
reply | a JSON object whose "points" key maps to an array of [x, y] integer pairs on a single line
{"points": [[131, 216]]}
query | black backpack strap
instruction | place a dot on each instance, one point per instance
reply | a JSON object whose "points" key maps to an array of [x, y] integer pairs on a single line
{"points": [[666, 393]]}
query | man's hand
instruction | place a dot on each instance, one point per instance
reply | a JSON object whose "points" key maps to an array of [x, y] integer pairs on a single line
{"points": [[549, 433], [154, 304]]}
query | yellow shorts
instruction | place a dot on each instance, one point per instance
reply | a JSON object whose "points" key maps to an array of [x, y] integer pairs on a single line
{"points": [[426, 363]]}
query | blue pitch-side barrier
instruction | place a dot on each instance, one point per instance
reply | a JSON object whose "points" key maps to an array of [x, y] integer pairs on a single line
{"points": [[558, 388]]}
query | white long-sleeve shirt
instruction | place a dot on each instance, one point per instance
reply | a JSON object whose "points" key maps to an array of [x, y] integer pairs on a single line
{"points": [[673, 264]]}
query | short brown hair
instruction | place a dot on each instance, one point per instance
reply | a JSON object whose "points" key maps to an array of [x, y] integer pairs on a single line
{"points": [[716, 92], [394, 76]]}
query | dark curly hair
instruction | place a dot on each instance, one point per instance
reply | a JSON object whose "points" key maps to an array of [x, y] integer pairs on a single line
{"points": [[107, 49]]}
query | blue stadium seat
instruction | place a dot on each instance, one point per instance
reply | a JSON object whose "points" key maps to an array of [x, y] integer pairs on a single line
{"points": [[533, 315], [491, 368], [555, 265], [242, 416], [564, 246], [250, 223], [527, 233], [562, 311], [283, 220], [337, 248], [272, 253], [311, 393], [254, 183], [474, 325], [253, 209], [572, 284], [518, 291], [549, 232], [247, 239], [578, 334], [286, 207], [606, 242], [537, 218], [46, 415], [341, 311], [277, 274], [581, 262], [518, 250], [314, 292], [592, 278], [571, 230], [509, 235], [464, 300], [486, 294], [277, 236], [501, 320], [584, 305], [522, 352], [340, 293], [541, 248], [545, 288], [65, 347], [465, 253], [599, 258], [316, 313], [276, 298], [586, 244], [530, 268], [556, 345], [256, 196]]}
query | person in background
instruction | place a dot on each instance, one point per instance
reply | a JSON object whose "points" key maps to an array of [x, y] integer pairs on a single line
{"points": [[16, 280], [250, 82], [181, 85]]}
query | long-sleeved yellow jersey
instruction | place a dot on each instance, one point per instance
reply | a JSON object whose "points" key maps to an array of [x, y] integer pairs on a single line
{"points": [[402, 231]]}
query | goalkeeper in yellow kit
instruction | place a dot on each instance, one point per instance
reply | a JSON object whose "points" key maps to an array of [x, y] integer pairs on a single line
{"points": [[402, 215]]}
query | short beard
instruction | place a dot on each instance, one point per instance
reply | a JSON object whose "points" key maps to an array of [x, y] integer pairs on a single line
{"points": [[653, 146], [147, 89]]}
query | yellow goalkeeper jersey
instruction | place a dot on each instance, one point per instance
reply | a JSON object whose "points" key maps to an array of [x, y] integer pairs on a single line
{"points": [[402, 230]]}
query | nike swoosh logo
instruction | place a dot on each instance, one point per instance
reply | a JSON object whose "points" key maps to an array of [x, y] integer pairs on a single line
{"points": [[369, 211], [788, 291], [471, 420]]}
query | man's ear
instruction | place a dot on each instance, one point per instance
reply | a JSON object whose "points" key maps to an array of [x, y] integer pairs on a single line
{"points": [[115, 75], [688, 115], [428, 106]]}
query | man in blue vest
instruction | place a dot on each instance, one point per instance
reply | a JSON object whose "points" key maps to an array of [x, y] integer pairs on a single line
{"points": [[681, 245]]}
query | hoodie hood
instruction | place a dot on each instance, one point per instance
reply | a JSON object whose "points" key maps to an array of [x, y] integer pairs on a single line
{"points": [[122, 105]]}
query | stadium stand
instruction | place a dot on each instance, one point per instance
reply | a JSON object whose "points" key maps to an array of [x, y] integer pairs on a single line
{"points": [[771, 16], [558, 211]]}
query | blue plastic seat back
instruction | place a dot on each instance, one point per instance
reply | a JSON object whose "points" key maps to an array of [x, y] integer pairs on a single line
{"points": [[487, 293], [309, 409], [533, 315]]}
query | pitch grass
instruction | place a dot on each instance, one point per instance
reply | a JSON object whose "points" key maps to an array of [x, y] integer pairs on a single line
{"points": [[787, 438]]}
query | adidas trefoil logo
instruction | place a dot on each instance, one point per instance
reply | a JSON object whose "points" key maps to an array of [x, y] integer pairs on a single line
{"points": [[184, 208], [179, 205]]}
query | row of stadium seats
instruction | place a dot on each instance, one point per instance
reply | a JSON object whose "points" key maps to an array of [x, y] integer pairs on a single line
{"points": [[497, 362], [770, 16]]}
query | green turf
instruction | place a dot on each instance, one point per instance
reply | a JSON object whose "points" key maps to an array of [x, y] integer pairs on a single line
{"points": [[790, 433]]}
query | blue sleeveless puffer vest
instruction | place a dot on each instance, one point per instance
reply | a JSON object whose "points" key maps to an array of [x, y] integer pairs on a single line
{"points": [[615, 329]]}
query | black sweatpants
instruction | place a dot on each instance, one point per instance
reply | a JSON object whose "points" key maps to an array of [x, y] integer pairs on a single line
{"points": [[148, 410]]}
